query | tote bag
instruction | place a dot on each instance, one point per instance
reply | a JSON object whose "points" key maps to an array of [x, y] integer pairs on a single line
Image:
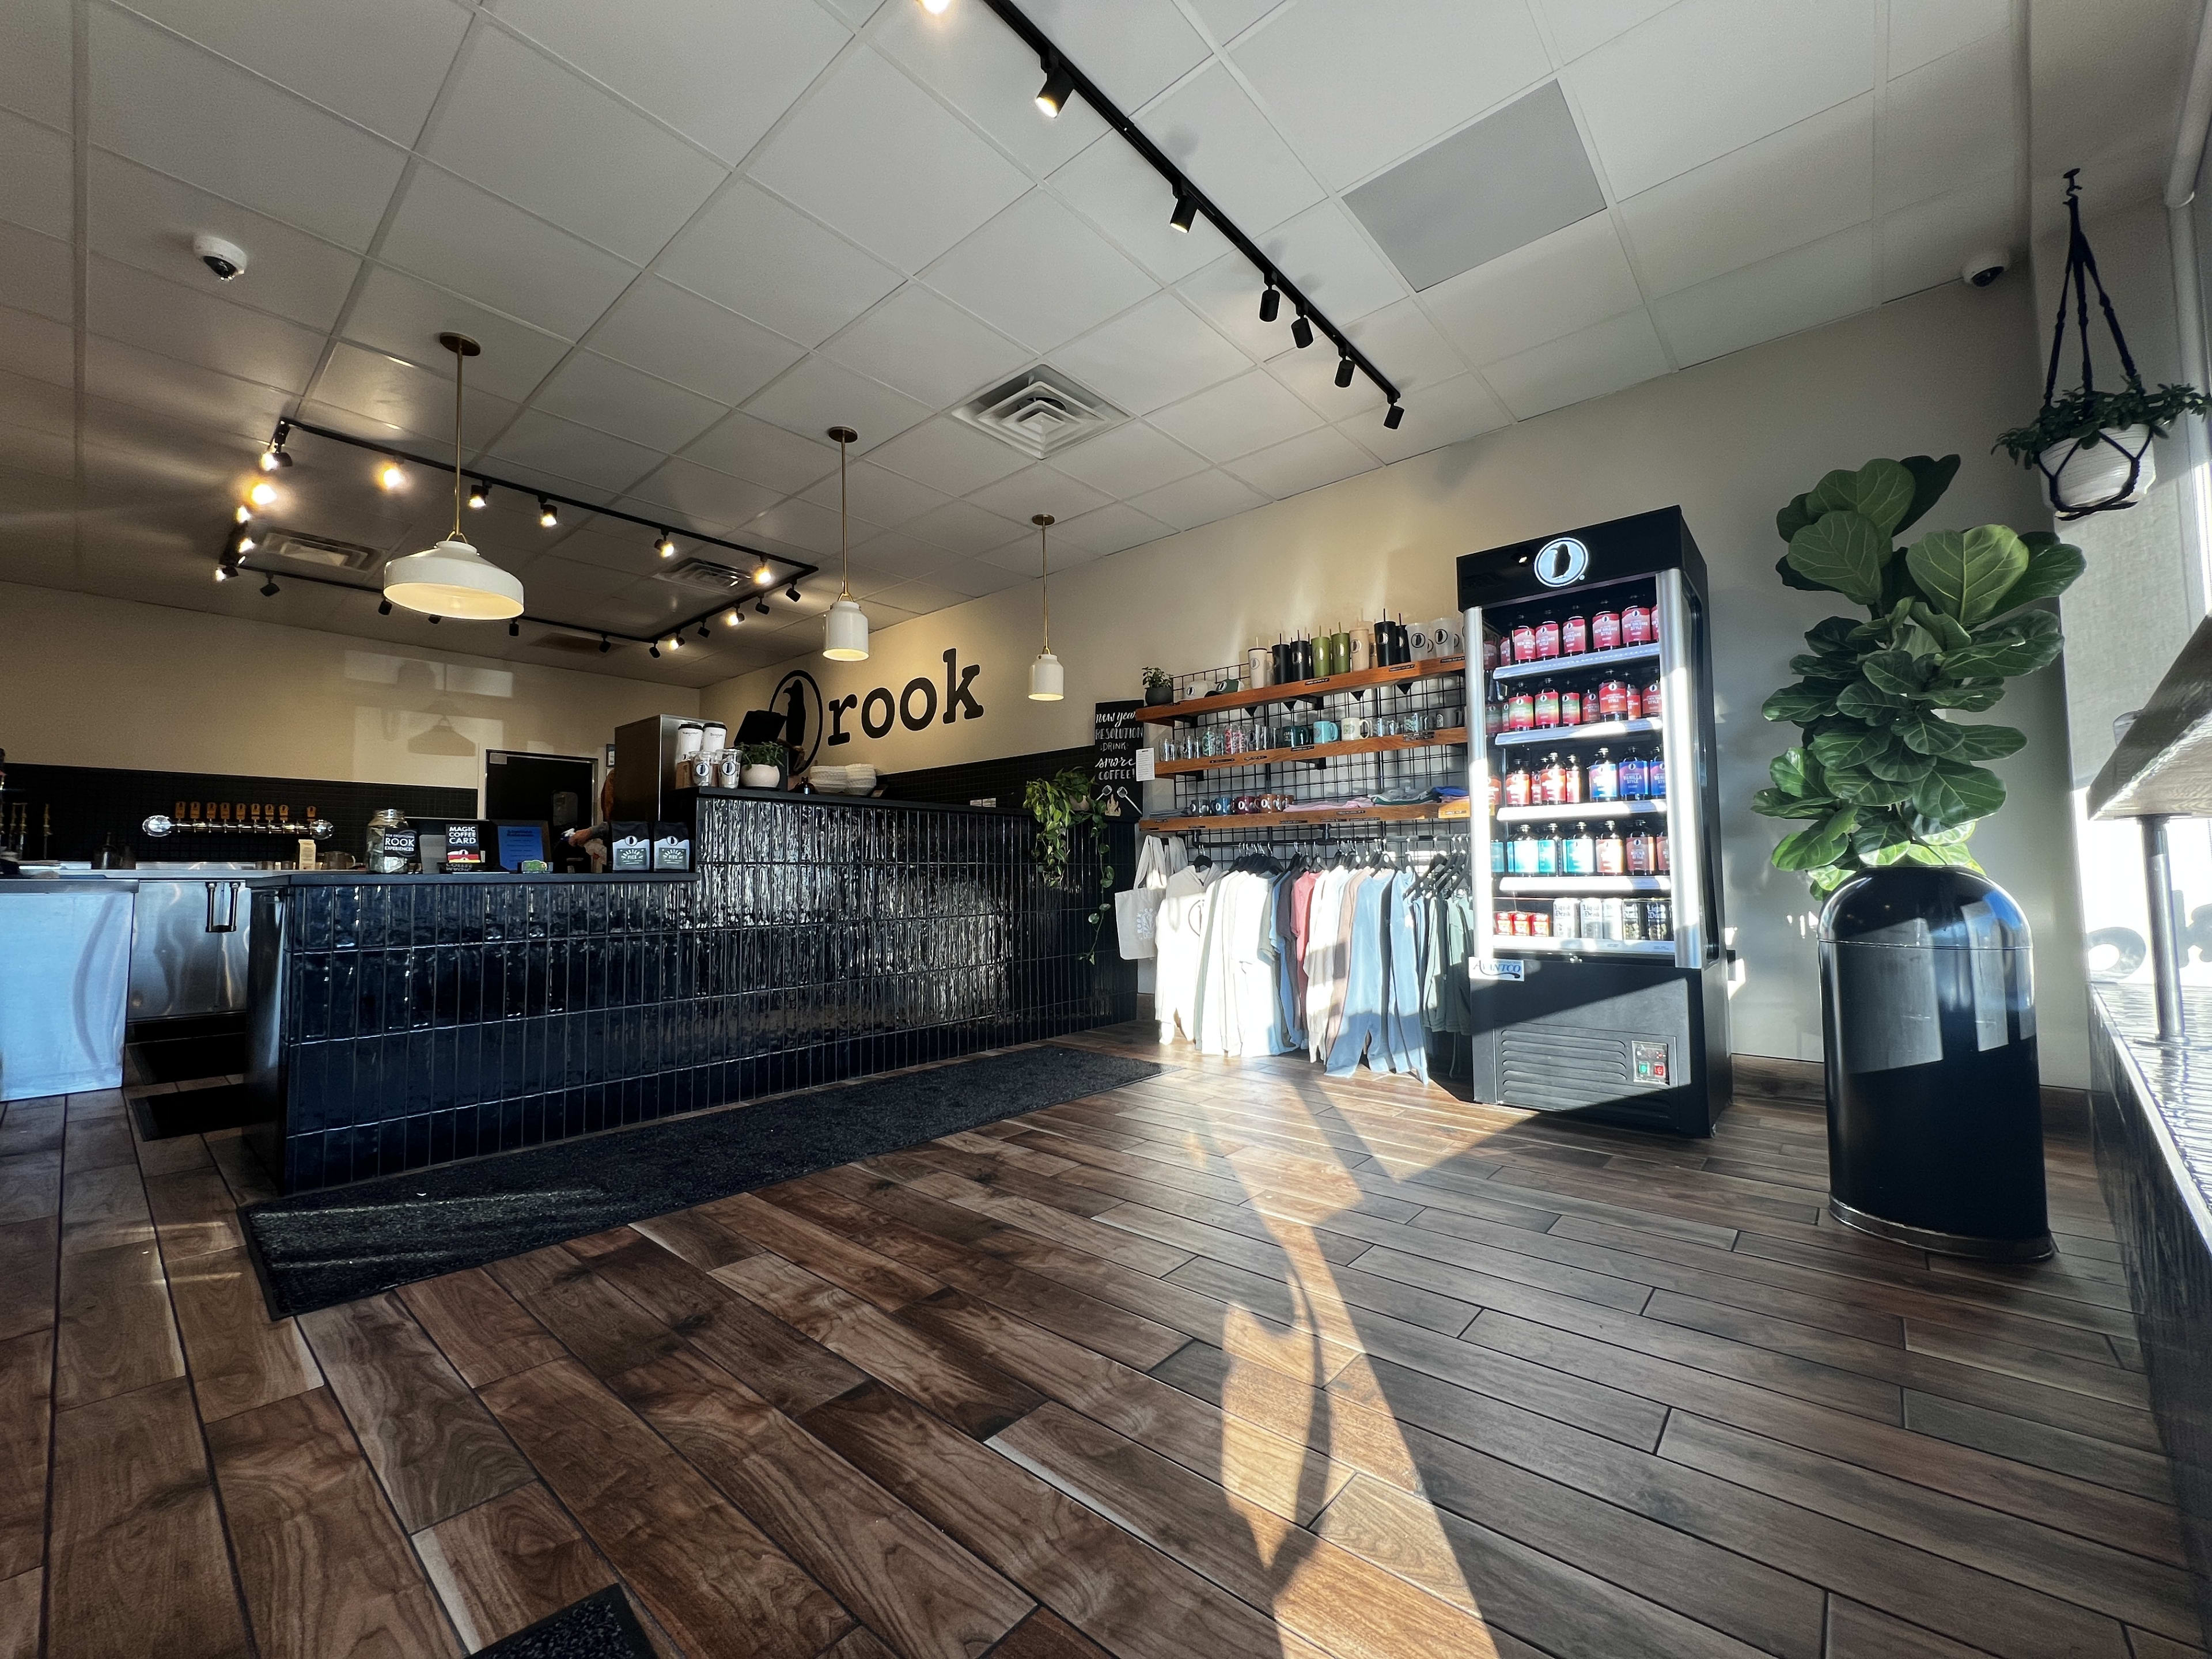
{"points": [[1136, 913]]}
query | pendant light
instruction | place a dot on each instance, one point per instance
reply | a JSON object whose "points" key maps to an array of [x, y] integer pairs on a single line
{"points": [[1048, 679], [452, 578], [844, 625]]}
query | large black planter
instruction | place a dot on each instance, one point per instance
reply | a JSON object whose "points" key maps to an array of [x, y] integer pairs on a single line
{"points": [[1934, 1106]]}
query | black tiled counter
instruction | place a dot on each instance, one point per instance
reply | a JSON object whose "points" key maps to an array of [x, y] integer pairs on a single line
{"points": [[403, 1021], [2152, 1118]]}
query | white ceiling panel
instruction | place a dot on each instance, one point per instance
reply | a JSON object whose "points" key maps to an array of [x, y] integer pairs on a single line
{"points": [[377, 61], [926, 348], [1227, 292], [980, 66], [764, 455], [973, 578], [1802, 288], [34, 71], [1406, 345], [151, 94], [801, 524], [415, 401], [37, 405], [1039, 273], [1199, 499], [1312, 375], [714, 500], [448, 230], [1927, 29], [1606, 357], [403, 315], [1555, 286], [1332, 264], [762, 257], [1928, 242], [146, 311], [1237, 417], [962, 527], [1305, 462], [570, 451], [36, 189], [1445, 412], [885, 560], [1114, 187], [877, 494], [1705, 77], [949, 456], [533, 131], [41, 347], [611, 397], [918, 598], [819, 394], [1151, 355], [1218, 136], [673, 333], [1039, 489], [1128, 460], [1227, 19], [1111, 529], [38, 273], [1130, 49], [875, 156], [720, 71], [1952, 117], [1354, 96], [1579, 25]]}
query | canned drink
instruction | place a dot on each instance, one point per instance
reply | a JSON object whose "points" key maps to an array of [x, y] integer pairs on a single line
{"points": [[1638, 625], [1520, 713], [1521, 928], [1616, 918], [1571, 709], [1634, 709], [1517, 787], [1566, 918], [1613, 700], [1546, 708], [1632, 920], [1547, 638], [1605, 631], [1525, 643], [1658, 922], [1574, 636], [1539, 925]]}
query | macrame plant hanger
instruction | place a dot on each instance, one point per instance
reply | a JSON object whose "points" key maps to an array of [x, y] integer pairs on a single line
{"points": [[2081, 272]]}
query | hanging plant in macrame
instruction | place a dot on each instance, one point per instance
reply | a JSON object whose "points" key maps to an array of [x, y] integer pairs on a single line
{"points": [[2093, 447]]}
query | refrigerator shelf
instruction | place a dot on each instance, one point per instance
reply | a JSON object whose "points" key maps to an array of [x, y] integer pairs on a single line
{"points": [[1599, 884], [1580, 810], [1598, 730], [1511, 945], [1625, 654]]}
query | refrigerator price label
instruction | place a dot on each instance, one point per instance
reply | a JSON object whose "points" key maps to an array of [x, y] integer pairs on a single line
{"points": [[1500, 968]]}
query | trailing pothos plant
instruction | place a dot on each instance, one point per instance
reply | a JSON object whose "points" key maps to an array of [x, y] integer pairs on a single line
{"points": [[1882, 773], [1060, 805]]}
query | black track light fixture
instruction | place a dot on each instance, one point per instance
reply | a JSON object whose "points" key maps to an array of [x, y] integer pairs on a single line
{"points": [[665, 546], [762, 606], [1059, 86], [654, 651], [1271, 303], [274, 456], [224, 570], [704, 633], [434, 620], [1343, 367], [1302, 331], [479, 493], [605, 645], [1396, 417], [1185, 211], [792, 592], [268, 587], [548, 515], [675, 641], [732, 618], [514, 630], [384, 607]]}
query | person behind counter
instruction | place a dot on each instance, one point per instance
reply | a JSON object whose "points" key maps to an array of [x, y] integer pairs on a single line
{"points": [[593, 838]]}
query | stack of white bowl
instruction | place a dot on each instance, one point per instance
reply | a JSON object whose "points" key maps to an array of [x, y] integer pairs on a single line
{"points": [[860, 780]]}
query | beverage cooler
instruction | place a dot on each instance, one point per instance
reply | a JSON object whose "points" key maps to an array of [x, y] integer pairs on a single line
{"points": [[1600, 985]]}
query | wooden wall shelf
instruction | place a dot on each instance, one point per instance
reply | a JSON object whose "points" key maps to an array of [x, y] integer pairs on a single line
{"points": [[1412, 812], [1160, 713], [1448, 737]]}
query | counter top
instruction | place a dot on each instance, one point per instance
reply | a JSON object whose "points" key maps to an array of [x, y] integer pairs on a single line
{"points": [[2175, 1084], [792, 798], [471, 878]]}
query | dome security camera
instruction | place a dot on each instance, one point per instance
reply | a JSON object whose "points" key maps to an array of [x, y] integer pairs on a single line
{"points": [[1984, 267], [226, 259]]}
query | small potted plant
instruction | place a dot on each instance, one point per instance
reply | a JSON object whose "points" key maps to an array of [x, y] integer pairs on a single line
{"points": [[2095, 446], [1062, 805], [763, 765], [1158, 687]]}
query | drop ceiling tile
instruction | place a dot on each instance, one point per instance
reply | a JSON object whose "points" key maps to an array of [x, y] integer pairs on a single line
{"points": [[1312, 375], [873, 155], [1705, 77], [1151, 355], [191, 396], [760, 257], [671, 332], [1237, 417], [1446, 412], [36, 190], [1202, 499], [918, 344], [1922, 33], [38, 273], [1228, 292], [980, 66], [37, 406], [523, 127], [961, 527], [919, 598], [453, 234], [854, 12], [948, 456], [34, 71], [158, 316], [1952, 119], [1581, 26], [1332, 264], [1802, 288], [819, 394], [712, 499], [1927, 243], [1215, 133], [763, 454], [607, 544], [554, 580], [1795, 186], [1113, 528], [877, 495], [973, 578], [1115, 188], [801, 524], [41, 347], [884, 561], [720, 71], [611, 397], [1227, 19], [1039, 489], [1402, 342], [403, 315], [1130, 49], [570, 451], [1017, 558], [377, 61], [418, 402], [1305, 462], [1039, 273], [1589, 363], [1568, 280], [1354, 93], [1127, 460]]}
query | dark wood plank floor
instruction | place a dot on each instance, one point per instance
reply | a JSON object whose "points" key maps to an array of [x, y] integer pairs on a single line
{"points": [[1241, 1361]]}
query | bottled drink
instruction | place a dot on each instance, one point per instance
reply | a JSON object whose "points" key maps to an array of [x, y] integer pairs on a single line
{"points": [[1497, 790], [1570, 708], [1547, 851], [1651, 702], [1566, 918], [1632, 919], [1489, 652], [1629, 776], [1632, 707], [1546, 706], [1517, 787], [1661, 864], [1578, 852], [1613, 700], [1658, 919], [1548, 637], [1524, 642], [1552, 781], [1520, 856], [1612, 856], [1638, 852], [1655, 777], [1574, 636], [1496, 855], [1604, 778], [1570, 781], [1520, 712], [1637, 625], [1493, 717], [1616, 919], [1605, 631]]}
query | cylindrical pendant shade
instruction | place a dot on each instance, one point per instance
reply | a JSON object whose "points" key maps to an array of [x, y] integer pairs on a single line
{"points": [[452, 579], [845, 632], [1048, 679]]}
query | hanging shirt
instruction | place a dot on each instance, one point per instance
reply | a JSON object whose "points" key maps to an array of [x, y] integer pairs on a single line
{"points": [[1179, 937]]}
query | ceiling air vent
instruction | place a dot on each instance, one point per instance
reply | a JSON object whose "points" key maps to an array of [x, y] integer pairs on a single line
{"points": [[1040, 412], [706, 576], [323, 552]]}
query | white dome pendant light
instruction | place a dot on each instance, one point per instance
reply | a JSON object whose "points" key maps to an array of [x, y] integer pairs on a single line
{"points": [[452, 578], [1048, 679], [844, 625]]}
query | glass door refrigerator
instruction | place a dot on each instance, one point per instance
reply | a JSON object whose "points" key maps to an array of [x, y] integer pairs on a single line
{"points": [[1600, 983]]}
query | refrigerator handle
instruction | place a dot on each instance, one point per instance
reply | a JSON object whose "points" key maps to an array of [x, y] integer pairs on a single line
{"points": [[1681, 739], [1480, 827]]}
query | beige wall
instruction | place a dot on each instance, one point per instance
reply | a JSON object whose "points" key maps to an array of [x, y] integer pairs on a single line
{"points": [[87, 682], [1729, 441]]}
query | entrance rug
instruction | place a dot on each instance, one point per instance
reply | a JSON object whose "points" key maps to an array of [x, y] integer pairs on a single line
{"points": [[321, 1249], [600, 1626]]}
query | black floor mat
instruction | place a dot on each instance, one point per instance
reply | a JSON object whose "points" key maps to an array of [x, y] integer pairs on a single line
{"points": [[321, 1248], [193, 1111], [600, 1626]]}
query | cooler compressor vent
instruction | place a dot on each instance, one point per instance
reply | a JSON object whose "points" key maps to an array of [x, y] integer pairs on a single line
{"points": [[1550, 1068]]}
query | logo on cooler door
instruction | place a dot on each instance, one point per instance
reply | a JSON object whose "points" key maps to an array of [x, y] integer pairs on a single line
{"points": [[1561, 561]]}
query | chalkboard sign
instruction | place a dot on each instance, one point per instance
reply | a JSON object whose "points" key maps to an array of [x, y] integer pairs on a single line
{"points": [[1115, 730]]}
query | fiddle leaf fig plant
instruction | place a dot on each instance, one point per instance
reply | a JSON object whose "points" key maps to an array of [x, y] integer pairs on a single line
{"points": [[1061, 804], [1881, 774]]}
